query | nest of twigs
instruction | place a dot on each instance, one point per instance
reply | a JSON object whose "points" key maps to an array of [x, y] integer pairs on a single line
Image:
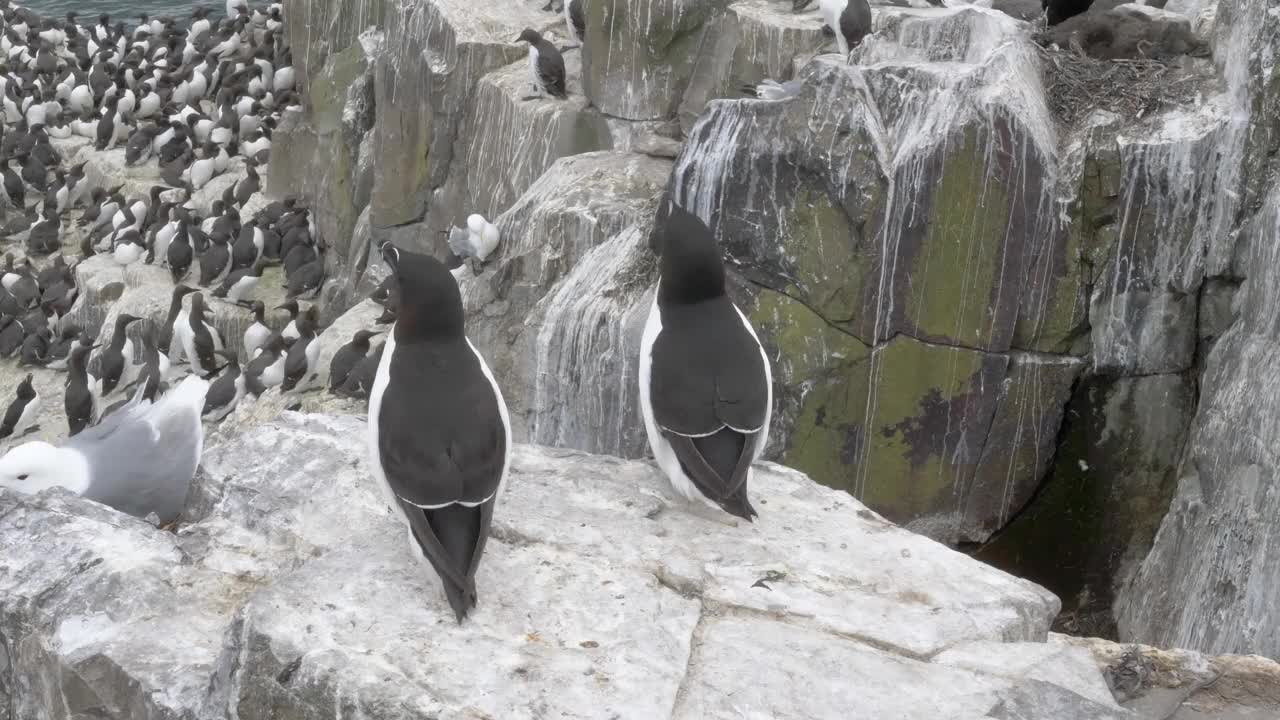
{"points": [[1076, 85]]}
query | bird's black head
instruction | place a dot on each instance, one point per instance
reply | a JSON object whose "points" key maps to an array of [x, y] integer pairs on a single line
{"points": [[291, 306], [530, 36], [692, 270], [430, 304], [361, 338]]}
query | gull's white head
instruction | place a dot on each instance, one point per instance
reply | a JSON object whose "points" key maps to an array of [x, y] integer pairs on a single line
{"points": [[37, 466]]}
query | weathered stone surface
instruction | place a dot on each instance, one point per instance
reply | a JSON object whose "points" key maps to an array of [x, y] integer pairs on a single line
{"points": [[1157, 684], [1209, 582], [425, 85], [638, 55], [559, 312], [508, 142], [322, 155], [1112, 477], [284, 595], [319, 28], [750, 41]]}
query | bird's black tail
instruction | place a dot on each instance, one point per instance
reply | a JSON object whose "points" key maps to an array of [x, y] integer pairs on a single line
{"points": [[458, 530]]}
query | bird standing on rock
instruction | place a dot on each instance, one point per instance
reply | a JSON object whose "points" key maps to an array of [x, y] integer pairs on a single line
{"points": [[546, 66], [439, 436], [20, 418], [139, 460], [705, 383], [346, 359]]}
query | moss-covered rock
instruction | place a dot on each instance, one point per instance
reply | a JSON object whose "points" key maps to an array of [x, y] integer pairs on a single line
{"points": [[639, 55], [1111, 482], [748, 42]]}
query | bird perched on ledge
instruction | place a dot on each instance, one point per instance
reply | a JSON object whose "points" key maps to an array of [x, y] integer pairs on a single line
{"points": [[546, 65]]}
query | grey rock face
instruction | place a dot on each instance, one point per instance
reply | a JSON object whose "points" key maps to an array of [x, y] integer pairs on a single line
{"points": [[290, 592], [560, 311], [1209, 581], [425, 84]]}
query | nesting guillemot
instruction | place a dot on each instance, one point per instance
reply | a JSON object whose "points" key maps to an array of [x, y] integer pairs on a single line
{"points": [[20, 418], [705, 383], [439, 435], [546, 66]]}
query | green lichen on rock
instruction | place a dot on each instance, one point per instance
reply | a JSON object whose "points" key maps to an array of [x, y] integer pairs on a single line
{"points": [[329, 89], [820, 375], [953, 282], [1060, 322], [829, 256], [926, 421]]}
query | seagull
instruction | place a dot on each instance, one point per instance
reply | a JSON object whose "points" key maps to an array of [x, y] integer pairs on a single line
{"points": [[139, 460]]}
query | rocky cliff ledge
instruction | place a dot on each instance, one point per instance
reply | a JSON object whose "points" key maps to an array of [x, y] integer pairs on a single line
{"points": [[1016, 284], [291, 594]]}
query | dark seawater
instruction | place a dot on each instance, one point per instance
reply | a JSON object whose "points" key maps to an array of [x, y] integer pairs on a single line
{"points": [[125, 10]]}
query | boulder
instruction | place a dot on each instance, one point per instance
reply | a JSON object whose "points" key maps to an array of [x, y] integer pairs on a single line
{"points": [[288, 591], [1111, 480], [639, 55], [892, 317], [750, 41], [425, 84], [507, 142], [558, 311]]}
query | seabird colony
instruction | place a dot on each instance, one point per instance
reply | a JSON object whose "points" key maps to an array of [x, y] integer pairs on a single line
{"points": [[195, 101], [179, 103]]}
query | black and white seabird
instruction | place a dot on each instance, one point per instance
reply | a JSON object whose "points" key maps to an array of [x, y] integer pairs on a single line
{"points": [[81, 400], [258, 333], [266, 370], [117, 359], [199, 339], [240, 284], [225, 392], [439, 436], [346, 359], [290, 331], [167, 330], [20, 418], [360, 381], [546, 65], [850, 19], [705, 383], [304, 353]]}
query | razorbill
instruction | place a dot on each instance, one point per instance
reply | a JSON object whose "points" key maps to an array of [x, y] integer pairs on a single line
{"points": [[546, 66], [705, 383], [20, 418], [439, 436], [139, 460]]}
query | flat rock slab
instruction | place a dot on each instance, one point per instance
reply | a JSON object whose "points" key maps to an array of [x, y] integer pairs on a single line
{"points": [[291, 593]]}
